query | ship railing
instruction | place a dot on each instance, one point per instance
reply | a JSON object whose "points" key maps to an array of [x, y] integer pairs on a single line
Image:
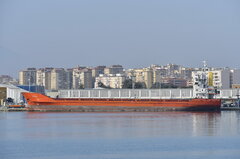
{"points": [[143, 93], [128, 93], [228, 93]]}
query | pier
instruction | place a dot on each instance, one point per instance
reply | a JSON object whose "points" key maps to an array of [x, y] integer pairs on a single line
{"points": [[5, 109]]}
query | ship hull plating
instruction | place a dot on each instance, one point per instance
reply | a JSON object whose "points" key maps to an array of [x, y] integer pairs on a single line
{"points": [[38, 102]]}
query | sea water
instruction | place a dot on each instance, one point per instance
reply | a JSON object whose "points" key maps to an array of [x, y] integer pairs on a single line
{"points": [[141, 135]]}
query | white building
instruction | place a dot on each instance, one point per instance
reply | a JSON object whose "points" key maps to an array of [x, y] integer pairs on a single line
{"points": [[27, 76], [11, 92], [43, 77], [58, 79], [220, 78], [111, 80], [235, 77], [82, 78]]}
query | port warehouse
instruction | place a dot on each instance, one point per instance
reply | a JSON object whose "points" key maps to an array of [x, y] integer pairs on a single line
{"points": [[9, 91], [142, 93]]}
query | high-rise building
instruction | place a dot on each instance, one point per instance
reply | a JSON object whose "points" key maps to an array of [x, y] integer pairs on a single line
{"points": [[69, 78], [148, 77], [96, 71], [144, 75], [86, 78], [173, 70], [186, 73], [114, 69], [28, 76], [82, 78], [112, 80], [58, 79], [177, 82], [76, 84], [44, 77], [235, 78]]}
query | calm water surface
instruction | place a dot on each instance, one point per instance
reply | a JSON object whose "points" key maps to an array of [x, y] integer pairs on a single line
{"points": [[168, 135]]}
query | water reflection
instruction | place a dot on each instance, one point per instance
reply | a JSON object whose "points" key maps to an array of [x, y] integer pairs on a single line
{"points": [[122, 125], [119, 135]]}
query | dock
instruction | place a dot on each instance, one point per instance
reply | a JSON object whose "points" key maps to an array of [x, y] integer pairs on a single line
{"points": [[5, 109]]}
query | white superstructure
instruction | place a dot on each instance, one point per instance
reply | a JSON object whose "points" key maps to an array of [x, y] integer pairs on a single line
{"points": [[200, 83]]}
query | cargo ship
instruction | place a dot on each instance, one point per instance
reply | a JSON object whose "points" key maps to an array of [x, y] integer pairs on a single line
{"points": [[203, 100], [39, 102]]}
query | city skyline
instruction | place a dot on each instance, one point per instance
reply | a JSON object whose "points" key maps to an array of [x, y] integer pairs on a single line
{"points": [[116, 76], [131, 33], [15, 75]]}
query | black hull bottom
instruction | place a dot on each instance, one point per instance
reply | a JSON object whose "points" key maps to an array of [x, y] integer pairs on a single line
{"points": [[68, 108]]}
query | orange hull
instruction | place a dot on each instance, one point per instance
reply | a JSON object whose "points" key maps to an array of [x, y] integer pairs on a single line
{"points": [[16, 106], [43, 103]]}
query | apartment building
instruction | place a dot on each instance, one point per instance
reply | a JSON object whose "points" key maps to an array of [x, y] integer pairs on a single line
{"points": [[96, 71], [235, 78], [82, 78], [177, 82], [148, 77], [143, 75], [58, 79], [186, 73], [69, 78], [173, 70], [28, 76], [43, 77], [111, 80], [114, 69]]}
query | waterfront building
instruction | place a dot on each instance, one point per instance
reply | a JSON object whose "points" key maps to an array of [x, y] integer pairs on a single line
{"points": [[69, 78], [148, 77], [96, 71], [158, 74], [139, 75], [186, 73], [43, 77], [27, 77], [86, 78], [40, 76], [173, 70], [142, 75], [235, 78], [82, 78], [111, 80], [6, 79], [10, 91], [176, 82], [76, 78], [114, 69], [58, 79]]}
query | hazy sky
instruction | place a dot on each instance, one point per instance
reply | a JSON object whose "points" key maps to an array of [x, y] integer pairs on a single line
{"points": [[134, 33]]}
